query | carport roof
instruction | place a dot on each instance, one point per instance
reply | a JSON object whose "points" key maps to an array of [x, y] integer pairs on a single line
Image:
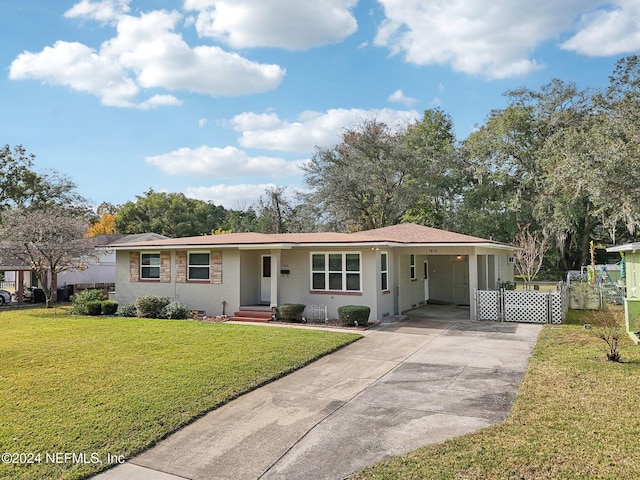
{"points": [[403, 234], [12, 264]]}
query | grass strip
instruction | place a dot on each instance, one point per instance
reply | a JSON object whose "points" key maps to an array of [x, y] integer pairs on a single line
{"points": [[115, 386], [576, 416]]}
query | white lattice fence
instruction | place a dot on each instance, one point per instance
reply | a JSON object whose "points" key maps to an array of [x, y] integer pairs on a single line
{"points": [[521, 306], [488, 305], [558, 306], [526, 307]]}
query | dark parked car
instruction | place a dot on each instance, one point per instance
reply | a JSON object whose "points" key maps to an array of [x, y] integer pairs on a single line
{"points": [[5, 297]]}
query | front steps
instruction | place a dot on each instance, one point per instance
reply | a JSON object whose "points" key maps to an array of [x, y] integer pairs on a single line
{"points": [[251, 316]]}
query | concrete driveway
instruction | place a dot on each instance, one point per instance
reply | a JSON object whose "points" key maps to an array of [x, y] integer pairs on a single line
{"points": [[406, 384]]}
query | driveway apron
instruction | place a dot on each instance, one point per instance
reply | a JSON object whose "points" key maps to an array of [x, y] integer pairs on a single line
{"points": [[410, 382]]}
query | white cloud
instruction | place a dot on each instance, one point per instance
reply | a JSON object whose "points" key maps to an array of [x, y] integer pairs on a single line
{"points": [[227, 162], [608, 31], [79, 67], [202, 122], [311, 129], [288, 24], [146, 53], [161, 58], [238, 197], [160, 101], [492, 38], [103, 11], [256, 121], [399, 97]]}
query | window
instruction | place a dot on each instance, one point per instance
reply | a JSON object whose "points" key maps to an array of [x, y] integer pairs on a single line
{"points": [[384, 271], [198, 268], [150, 266], [412, 267], [335, 271]]}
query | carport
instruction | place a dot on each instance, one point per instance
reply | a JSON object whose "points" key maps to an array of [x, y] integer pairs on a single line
{"points": [[16, 273]]}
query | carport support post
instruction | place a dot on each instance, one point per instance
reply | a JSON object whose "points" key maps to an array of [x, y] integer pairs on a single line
{"points": [[275, 276], [473, 283]]}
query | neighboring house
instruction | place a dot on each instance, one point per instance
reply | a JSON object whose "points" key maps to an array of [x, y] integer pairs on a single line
{"points": [[631, 253], [15, 276], [391, 269], [102, 270]]}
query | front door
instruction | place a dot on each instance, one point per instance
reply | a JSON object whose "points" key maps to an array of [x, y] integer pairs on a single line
{"points": [[265, 279], [426, 280], [461, 280]]}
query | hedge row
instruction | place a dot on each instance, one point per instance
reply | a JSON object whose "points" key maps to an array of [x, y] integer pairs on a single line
{"points": [[348, 315], [93, 302], [104, 307]]}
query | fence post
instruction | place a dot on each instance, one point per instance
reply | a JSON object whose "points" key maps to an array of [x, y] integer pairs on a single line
{"points": [[549, 308]]}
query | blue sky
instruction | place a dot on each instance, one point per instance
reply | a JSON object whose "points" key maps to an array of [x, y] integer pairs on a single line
{"points": [[222, 99]]}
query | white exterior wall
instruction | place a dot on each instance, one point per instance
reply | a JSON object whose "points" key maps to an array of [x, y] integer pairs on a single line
{"points": [[241, 273], [249, 277], [196, 296], [411, 291], [296, 286], [102, 271], [386, 299]]}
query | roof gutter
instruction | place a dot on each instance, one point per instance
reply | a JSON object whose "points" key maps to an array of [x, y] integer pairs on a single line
{"points": [[289, 246]]}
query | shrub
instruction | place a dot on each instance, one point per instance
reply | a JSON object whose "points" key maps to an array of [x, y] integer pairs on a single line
{"points": [[93, 307], [109, 307], [174, 311], [150, 306], [290, 311], [80, 299], [127, 310], [609, 327], [354, 315]]}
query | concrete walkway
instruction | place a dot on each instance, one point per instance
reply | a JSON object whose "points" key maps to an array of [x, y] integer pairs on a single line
{"points": [[406, 384]]}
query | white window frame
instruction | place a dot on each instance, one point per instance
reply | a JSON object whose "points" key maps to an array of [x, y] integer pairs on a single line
{"points": [[143, 266], [344, 272], [412, 267], [189, 266], [384, 272]]}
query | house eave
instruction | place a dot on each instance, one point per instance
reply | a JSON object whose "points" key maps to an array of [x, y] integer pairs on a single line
{"points": [[628, 247], [289, 246]]}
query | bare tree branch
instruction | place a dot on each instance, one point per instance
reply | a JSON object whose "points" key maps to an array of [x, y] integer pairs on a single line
{"points": [[531, 253], [50, 241]]}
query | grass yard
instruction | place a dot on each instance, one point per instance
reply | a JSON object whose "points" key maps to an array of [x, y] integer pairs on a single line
{"points": [[575, 417], [87, 385]]}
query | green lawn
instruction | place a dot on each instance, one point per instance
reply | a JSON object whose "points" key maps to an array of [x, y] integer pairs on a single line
{"points": [[87, 385], [575, 417]]}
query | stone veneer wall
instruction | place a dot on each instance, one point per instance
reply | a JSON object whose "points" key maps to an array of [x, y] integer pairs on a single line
{"points": [[181, 267], [134, 267], [216, 267], [165, 267]]}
